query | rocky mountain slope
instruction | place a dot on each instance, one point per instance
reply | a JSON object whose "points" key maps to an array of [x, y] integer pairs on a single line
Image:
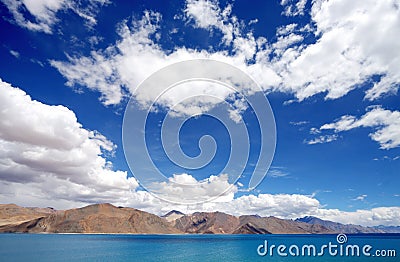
{"points": [[173, 215], [106, 218], [11, 214], [99, 218], [207, 223], [221, 223]]}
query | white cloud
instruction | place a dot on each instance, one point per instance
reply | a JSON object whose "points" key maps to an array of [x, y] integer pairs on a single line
{"points": [[48, 159], [386, 123], [285, 41], [314, 131], [45, 12], [353, 44], [45, 150], [52, 159], [322, 139], [283, 206], [182, 188], [389, 216], [276, 172], [14, 53], [299, 123], [208, 15], [349, 50], [293, 7], [119, 69], [386, 158], [293, 206], [360, 198], [280, 205], [286, 29], [136, 56]]}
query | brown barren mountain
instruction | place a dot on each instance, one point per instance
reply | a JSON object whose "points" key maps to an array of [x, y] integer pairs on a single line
{"points": [[280, 226], [207, 223], [11, 214], [221, 223], [106, 218], [98, 218]]}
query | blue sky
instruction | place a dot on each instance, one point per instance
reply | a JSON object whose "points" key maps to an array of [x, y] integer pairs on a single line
{"points": [[330, 71]]}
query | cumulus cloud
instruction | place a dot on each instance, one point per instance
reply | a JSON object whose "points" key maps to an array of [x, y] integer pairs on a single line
{"points": [[389, 216], [44, 12], [350, 49], [118, 70], [48, 158], [385, 122], [46, 149], [295, 206], [208, 15], [284, 206], [46, 154], [182, 188], [280, 205], [353, 44], [59, 159]]}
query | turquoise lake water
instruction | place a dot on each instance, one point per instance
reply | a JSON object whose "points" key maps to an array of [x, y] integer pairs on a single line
{"points": [[77, 247]]}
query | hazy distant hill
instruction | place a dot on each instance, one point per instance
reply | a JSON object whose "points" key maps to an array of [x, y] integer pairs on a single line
{"points": [[349, 228], [106, 218], [389, 229]]}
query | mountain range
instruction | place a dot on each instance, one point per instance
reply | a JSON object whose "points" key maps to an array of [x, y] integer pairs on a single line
{"points": [[106, 218], [349, 228]]}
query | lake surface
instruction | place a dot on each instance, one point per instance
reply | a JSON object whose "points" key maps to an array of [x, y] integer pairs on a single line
{"points": [[80, 247]]}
